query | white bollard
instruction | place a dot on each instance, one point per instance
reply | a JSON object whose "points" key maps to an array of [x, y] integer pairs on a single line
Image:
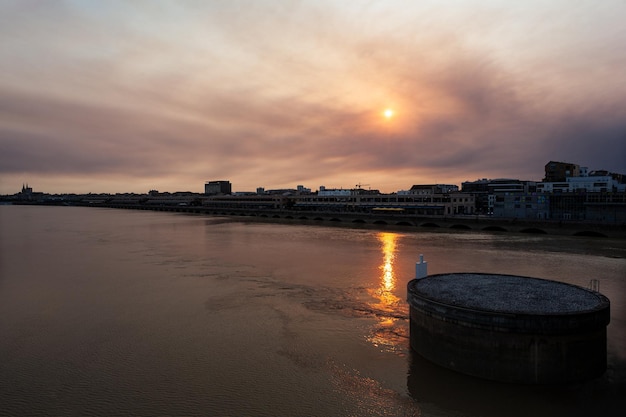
{"points": [[421, 268]]}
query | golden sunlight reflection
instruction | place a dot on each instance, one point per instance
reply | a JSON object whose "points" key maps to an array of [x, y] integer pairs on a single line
{"points": [[387, 307], [388, 282]]}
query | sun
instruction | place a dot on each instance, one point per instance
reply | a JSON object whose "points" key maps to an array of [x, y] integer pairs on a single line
{"points": [[388, 113]]}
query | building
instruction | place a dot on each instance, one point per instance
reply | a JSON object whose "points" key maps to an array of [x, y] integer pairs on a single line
{"points": [[577, 194], [606, 207], [489, 191], [461, 204], [594, 182], [301, 189], [480, 190], [28, 194], [248, 201], [521, 205], [217, 187], [427, 189], [559, 171], [333, 192]]}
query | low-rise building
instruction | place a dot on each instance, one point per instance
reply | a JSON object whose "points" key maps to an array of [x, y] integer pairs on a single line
{"points": [[595, 182], [486, 191], [217, 187], [521, 205]]}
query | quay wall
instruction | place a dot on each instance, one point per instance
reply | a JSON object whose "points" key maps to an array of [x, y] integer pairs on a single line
{"points": [[345, 218], [460, 223]]}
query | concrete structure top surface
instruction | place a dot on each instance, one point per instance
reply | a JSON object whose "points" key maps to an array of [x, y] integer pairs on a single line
{"points": [[507, 293]]}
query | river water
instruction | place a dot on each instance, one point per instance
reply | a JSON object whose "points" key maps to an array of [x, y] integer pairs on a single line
{"points": [[114, 312]]}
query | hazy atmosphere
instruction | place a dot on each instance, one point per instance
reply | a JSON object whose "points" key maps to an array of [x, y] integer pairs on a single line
{"points": [[128, 96]]}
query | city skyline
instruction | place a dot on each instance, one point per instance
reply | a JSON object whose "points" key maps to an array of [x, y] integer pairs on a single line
{"points": [[127, 97], [589, 172]]}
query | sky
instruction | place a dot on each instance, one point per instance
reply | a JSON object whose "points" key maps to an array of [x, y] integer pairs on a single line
{"points": [[129, 96]]}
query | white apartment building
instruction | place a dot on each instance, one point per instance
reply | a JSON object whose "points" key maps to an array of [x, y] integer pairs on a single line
{"points": [[591, 184]]}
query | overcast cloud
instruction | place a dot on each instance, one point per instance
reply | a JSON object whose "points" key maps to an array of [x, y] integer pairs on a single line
{"points": [[108, 96]]}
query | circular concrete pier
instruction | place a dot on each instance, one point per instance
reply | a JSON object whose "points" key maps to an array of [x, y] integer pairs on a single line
{"points": [[509, 328]]}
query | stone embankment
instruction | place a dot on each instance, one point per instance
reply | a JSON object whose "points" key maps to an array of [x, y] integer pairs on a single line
{"points": [[356, 218], [459, 223]]}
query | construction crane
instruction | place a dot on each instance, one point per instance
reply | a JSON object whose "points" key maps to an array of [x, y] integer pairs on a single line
{"points": [[359, 185]]}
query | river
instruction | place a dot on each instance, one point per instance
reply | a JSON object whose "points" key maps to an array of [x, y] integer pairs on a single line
{"points": [[118, 312]]}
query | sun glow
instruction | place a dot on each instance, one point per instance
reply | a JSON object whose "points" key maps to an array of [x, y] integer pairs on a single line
{"points": [[388, 113]]}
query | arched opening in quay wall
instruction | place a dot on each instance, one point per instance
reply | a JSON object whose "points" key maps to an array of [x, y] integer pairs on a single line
{"points": [[589, 233], [534, 230], [494, 229], [460, 227]]}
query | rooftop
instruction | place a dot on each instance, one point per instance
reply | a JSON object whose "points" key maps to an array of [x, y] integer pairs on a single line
{"points": [[507, 293]]}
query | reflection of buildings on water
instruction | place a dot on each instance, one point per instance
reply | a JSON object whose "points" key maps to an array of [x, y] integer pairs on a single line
{"points": [[389, 332]]}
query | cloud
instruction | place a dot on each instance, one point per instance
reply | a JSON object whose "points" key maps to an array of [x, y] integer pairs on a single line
{"points": [[276, 95]]}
